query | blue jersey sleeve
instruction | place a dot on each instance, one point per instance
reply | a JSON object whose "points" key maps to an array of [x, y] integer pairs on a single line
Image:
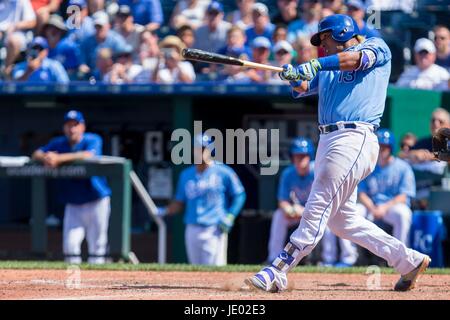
{"points": [[313, 88], [234, 185], [379, 48], [283, 186], [94, 144], [362, 186], [408, 182], [180, 194], [53, 145]]}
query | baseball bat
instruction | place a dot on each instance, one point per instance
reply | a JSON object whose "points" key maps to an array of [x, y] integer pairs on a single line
{"points": [[211, 57]]}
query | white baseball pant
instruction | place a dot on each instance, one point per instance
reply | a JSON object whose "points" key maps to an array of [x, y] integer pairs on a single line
{"points": [[88, 220], [204, 245], [344, 158], [399, 216]]}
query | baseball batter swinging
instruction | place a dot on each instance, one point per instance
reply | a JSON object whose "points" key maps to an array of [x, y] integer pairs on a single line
{"points": [[352, 81]]}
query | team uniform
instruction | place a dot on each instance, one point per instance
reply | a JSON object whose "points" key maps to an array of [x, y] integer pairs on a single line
{"points": [[351, 104], [87, 204], [208, 197], [385, 183]]}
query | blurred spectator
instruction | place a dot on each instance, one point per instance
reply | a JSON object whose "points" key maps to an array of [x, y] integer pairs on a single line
{"points": [[123, 69], [305, 50], [243, 16], [171, 68], [15, 19], [103, 64], [442, 42], [147, 13], [408, 141], [262, 27], [420, 155], [279, 33], [391, 5], [308, 22], [236, 43], [330, 7], [386, 193], [260, 52], [104, 37], [283, 55], [38, 67], [212, 35], [287, 12], [189, 12], [130, 31], [80, 24], [356, 9], [187, 35], [96, 5], [425, 74], [61, 48], [234, 74], [149, 49], [43, 9]]}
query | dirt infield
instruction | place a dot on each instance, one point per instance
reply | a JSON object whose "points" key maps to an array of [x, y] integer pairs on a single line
{"points": [[137, 285]]}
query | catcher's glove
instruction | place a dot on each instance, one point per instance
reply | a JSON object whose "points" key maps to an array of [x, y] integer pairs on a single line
{"points": [[441, 144]]}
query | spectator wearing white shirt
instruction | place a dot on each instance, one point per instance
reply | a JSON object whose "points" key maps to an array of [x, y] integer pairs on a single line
{"points": [[189, 12], [124, 70], [213, 34], [16, 17], [243, 16], [171, 68], [425, 74], [130, 31]]}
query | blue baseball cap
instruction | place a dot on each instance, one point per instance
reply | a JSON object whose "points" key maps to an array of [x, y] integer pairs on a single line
{"points": [[39, 42], [74, 115], [215, 6], [357, 4], [80, 3], [261, 42]]}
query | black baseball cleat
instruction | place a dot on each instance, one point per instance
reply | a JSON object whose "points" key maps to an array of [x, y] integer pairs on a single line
{"points": [[408, 281]]}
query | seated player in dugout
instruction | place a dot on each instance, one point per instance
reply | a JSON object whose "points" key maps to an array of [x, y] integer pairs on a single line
{"points": [[386, 193], [211, 195], [87, 201]]}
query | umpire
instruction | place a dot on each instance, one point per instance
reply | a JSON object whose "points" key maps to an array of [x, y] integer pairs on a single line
{"points": [[87, 201]]}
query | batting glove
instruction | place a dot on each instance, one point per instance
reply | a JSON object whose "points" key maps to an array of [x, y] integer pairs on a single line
{"points": [[308, 70], [289, 73], [226, 223]]}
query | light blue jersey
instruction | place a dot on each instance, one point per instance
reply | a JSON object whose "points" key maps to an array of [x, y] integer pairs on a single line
{"points": [[354, 95], [385, 183], [291, 181], [207, 195]]}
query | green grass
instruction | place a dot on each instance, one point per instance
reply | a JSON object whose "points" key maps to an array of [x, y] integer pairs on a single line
{"points": [[41, 265]]}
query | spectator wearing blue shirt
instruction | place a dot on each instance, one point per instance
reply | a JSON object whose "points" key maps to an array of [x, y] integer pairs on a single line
{"points": [[307, 24], [87, 201], [38, 67], [386, 193], [356, 9], [262, 27], [104, 37], [146, 12], [79, 23], [62, 48], [212, 196]]}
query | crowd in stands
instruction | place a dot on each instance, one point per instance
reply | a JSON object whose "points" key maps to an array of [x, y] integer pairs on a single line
{"points": [[137, 41]]}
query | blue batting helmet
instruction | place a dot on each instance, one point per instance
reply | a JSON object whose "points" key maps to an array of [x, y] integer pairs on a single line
{"points": [[302, 145], [342, 28], [386, 137]]}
